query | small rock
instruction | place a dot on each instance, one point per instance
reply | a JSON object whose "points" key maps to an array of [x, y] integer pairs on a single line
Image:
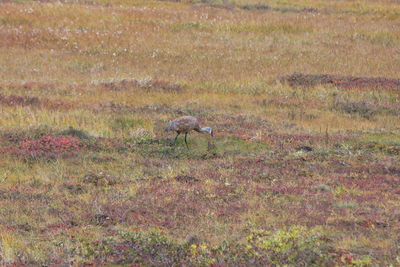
{"points": [[186, 178], [304, 148]]}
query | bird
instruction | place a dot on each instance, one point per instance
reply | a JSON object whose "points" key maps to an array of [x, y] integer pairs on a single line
{"points": [[185, 124]]}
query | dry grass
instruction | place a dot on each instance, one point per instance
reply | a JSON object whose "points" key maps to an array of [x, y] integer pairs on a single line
{"points": [[325, 158]]}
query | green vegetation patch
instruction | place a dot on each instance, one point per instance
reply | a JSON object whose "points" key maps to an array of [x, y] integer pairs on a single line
{"points": [[284, 28], [378, 38], [364, 109], [296, 246], [188, 26], [200, 147], [346, 205], [383, 143], [125, 123]]}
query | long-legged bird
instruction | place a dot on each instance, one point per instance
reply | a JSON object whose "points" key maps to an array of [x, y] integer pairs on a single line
{"points": [[185, 124]]}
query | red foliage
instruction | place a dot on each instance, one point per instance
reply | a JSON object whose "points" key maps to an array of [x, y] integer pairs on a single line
{"points": [[33, 84], [287, 190], [46, 146], [51, 143], [343, 257], [18, 100]]}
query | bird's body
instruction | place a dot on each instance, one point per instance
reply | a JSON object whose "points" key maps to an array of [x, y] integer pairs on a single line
{"points": [[186, 124]]}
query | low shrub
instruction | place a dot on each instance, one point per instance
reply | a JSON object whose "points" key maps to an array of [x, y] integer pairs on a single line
{"points": [[44, 147], [71, 131], [364, 109], [296, 246]]}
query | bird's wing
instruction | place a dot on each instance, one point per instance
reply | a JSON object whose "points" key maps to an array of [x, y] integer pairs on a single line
{"points": [[186, 123]]}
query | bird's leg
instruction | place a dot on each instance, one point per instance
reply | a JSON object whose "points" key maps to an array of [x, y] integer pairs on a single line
{"points": [[186, 141], [176, 137]]}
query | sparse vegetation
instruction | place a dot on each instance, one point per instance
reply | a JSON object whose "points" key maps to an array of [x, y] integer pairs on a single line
{"points": [[303, 98]]}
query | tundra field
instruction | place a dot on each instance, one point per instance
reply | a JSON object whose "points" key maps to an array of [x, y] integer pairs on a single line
{"points": [[304, 168]]}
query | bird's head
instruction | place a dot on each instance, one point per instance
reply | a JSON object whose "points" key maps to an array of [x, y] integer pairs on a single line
{"points": [[208, 130]]}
